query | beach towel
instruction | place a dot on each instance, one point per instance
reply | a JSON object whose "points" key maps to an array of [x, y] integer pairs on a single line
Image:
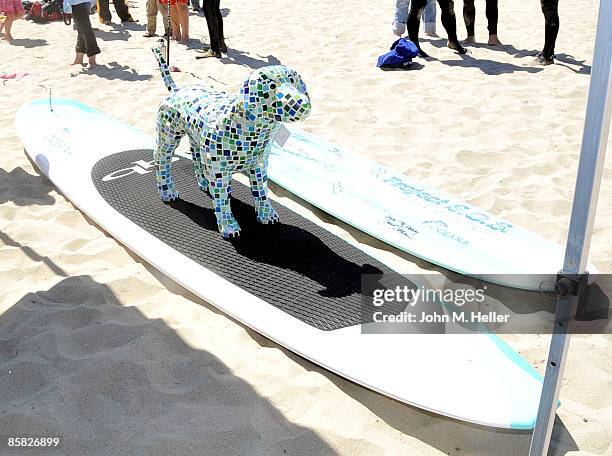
{"points": [[400, 55]]}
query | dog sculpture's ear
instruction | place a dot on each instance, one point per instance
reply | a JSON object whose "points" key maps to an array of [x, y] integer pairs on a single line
{"points": [[297, 82], [252, 95]]}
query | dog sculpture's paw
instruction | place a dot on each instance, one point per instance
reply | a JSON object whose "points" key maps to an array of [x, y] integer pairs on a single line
{"points": [[267, 214], [230, 229], [168, 195], [203, 184]]}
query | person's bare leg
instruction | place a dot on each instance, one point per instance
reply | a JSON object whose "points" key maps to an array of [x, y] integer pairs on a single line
{"points": [[8, 24], [92, 61], [183, 11], [78, 60], [176, 24]]}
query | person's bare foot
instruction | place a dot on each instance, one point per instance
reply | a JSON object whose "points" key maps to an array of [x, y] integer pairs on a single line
{"points": [[78, 60], [92, 61], [469, 40], [184, 40], [494, 41]]}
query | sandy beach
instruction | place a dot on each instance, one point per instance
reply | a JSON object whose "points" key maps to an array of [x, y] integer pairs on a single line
{"points": [[102, 349]]}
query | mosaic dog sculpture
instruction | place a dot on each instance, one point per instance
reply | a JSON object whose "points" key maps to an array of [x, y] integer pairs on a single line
{"points": [[227, 134]]}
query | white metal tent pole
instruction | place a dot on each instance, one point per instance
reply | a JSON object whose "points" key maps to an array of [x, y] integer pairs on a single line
{"points": [[592, 154]]}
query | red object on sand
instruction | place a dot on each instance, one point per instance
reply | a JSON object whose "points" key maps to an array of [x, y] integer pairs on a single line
{"points": [[12, 75]]}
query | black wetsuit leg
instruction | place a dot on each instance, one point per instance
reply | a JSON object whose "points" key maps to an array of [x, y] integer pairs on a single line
{"points": [[414, 22], [447, 7], [214, 20], [449, 21], [469, 16], [550, 8], [492, 16], [221, 34]]}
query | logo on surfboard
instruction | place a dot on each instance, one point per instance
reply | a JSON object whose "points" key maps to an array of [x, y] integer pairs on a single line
{"points": [[460, 209], [140, 167]]}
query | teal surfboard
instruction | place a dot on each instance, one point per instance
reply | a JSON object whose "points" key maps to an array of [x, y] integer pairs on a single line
{"points": [[405, 214]]}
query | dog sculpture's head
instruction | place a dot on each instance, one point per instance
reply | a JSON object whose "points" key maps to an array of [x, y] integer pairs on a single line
{"points": [[275, 93]]}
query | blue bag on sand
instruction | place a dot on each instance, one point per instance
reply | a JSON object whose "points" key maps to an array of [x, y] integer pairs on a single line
{"points": [[402, 52]]}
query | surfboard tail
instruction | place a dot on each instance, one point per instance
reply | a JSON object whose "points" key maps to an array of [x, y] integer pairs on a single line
{"points": [[164, 69]]}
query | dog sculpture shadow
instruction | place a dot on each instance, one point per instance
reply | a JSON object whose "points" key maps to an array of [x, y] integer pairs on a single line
{"points": [[309, 256]]}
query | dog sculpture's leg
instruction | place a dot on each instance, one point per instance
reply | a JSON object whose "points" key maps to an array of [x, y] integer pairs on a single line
{"points": [[196, 154], [259, 189], [167, 141], [219, 187]]}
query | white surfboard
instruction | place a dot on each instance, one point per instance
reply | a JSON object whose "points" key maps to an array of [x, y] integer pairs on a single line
{"points": [[476, 378], [409, 216]]}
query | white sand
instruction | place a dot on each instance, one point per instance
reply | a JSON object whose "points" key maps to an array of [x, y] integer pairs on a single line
{"points": [[98, 347]]}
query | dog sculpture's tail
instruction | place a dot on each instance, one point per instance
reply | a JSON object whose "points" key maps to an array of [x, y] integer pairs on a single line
{"points": [[163, 68]]}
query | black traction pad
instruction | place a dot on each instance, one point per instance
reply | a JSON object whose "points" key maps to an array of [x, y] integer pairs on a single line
{"points": [[295, 265]]}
